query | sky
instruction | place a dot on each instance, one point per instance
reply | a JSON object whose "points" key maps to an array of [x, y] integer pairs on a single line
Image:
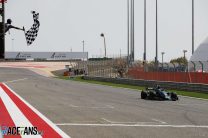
{"points": [[64, 24]]}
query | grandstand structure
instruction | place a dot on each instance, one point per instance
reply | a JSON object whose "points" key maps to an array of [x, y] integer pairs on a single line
{"points": [[199, 60]]}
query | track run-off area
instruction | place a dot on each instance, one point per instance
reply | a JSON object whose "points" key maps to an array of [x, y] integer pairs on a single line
{"points": [[61, 108]]}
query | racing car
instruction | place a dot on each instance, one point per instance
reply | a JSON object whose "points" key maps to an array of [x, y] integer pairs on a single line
{"points": [[157, 93]]}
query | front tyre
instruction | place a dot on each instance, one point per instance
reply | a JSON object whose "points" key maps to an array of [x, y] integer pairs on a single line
{"points": [[174, 97], [143, 95]]}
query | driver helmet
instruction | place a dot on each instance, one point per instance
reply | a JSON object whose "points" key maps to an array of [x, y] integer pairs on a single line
{"points": [[158, 87], [9, 21]]}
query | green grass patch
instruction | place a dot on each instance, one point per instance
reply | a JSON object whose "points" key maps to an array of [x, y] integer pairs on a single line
{"points": [[103, 83], [191, 94], [183, 93]]}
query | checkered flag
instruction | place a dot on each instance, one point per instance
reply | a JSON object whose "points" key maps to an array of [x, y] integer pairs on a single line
{"points": [[33, 32]]}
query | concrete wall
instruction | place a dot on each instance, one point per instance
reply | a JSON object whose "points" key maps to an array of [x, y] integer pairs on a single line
{"points": [[167, 85]]}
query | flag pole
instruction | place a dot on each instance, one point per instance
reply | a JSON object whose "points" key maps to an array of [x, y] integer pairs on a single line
{"points": [[156, 54], [145, 28], [128, 58], [2, 31], [132, 31], [193, 27]]}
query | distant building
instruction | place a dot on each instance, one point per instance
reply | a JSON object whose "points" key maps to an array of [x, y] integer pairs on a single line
{"points": [[200, 54]]}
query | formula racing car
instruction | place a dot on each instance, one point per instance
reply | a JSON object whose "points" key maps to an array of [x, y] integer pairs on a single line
{"points": [[157, 93]]}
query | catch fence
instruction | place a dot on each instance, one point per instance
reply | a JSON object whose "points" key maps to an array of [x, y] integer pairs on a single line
{"points": [[192, 72]]}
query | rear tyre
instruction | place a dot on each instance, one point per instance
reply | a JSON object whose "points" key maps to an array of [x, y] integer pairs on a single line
{"points": [[174, 97], [143, 95]]}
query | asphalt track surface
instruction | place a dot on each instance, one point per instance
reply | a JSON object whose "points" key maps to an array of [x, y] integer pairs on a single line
{"points": [[85, 110]]}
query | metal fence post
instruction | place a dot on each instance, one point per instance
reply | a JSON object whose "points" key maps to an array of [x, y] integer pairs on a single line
{"points": [[174, 71], [202, 66], [94, 69], [110, 68], [167, 66], [99, 68], [194, 66]]}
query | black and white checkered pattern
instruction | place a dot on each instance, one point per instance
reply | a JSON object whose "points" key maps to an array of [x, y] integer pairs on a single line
{"points": [[33, 32]]}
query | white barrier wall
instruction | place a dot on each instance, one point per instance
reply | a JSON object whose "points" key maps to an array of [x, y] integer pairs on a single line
{"points": [[47, 55]]}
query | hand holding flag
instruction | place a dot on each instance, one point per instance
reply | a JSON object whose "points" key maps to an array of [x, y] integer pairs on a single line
{"points": [[2, 1]]}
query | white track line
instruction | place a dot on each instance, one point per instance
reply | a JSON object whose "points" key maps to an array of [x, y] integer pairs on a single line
{"points": [[162, 122], [194, 98], [17, 116], [113, 122], [107, 120], [133, 125], [193, 104], [15, 80], [96, 107], [110, 106], [74, 106]]}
